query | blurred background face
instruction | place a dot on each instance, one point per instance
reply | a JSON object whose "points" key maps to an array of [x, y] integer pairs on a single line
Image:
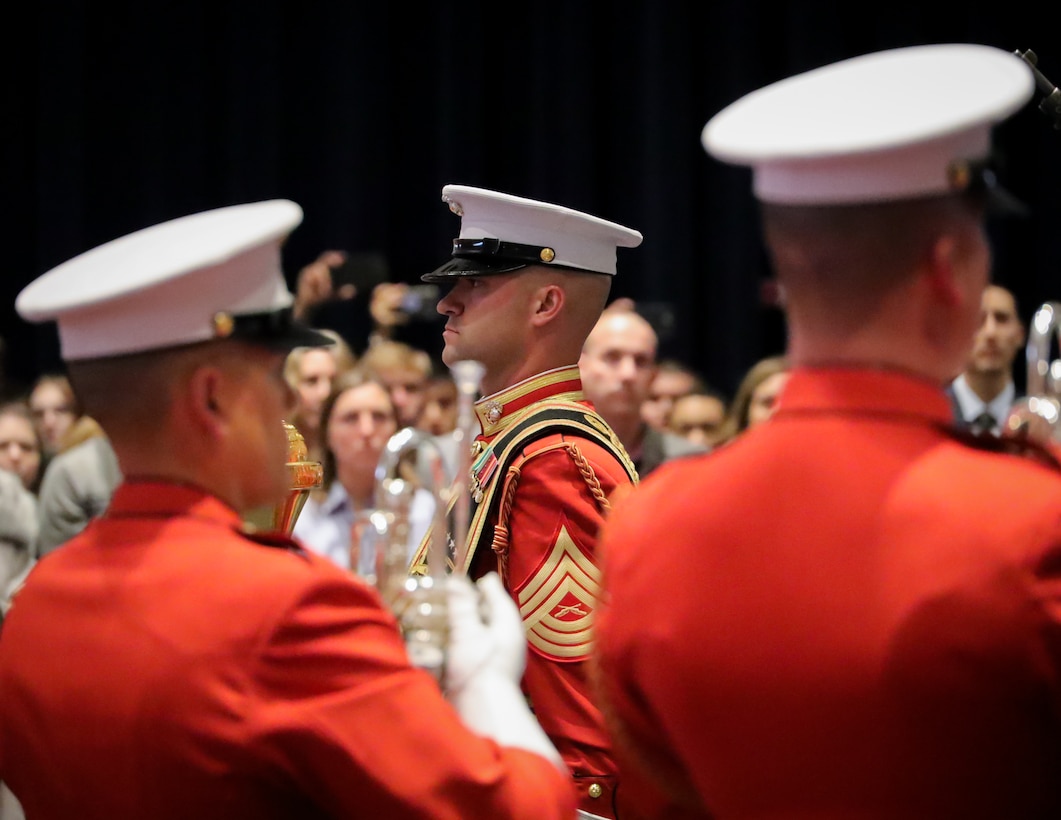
{"points": [[1000, 335], [316, 371], [53, 412], [764, 398], [618, 363], [697, 418], [407, 393], [20, 452], [666, 387], [361, 420], [439, 414]]}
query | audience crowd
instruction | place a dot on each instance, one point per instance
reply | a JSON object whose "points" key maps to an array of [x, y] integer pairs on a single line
{"points": [[659, 409]]}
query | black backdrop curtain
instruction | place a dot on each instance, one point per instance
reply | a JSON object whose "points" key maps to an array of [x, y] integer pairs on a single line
{"points": [[124, 114]]}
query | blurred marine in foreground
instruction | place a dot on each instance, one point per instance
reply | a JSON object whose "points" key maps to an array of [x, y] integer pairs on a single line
{"points": [[169, 662], [857, 613]]}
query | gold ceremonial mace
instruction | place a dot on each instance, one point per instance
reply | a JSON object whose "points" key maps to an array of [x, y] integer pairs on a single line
{"points": [[303, 477]]}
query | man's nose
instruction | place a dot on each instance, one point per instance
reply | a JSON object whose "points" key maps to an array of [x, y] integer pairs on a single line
{"points": [[446, 305], [627, 368]]}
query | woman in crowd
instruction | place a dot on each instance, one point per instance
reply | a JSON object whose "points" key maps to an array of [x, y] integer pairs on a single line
{"points": [[21, 451], [55, 409], [310, 371], [357, 420], [756, 396]]}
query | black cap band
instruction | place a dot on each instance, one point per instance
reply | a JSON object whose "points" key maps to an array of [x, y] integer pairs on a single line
{"points": [[501, 251], [482, 257], [271, 328]]}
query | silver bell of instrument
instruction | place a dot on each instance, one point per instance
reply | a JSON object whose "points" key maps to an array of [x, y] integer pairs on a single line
{"points": [[1035, 417], [379, 544]]}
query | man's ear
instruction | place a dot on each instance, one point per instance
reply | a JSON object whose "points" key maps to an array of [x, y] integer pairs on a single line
{"points": [[941, 269], [548, 302], [204, 399]]}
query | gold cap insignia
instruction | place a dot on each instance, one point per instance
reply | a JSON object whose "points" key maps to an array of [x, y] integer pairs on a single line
{"points": [[547, 255], [224, 324], [959, 175]]}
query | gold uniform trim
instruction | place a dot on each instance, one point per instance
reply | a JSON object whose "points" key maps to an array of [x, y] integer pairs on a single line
{"points": [[590, 425], [518, 391], [566, 574]]}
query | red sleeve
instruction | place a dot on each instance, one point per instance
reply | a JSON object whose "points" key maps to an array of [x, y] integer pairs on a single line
{"points": [[337, 705], [552, 574], [655, 782]]}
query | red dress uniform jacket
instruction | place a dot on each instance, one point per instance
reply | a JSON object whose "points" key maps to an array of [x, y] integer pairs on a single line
{"points": [[550, 567], [848, 613], [163, 664]]}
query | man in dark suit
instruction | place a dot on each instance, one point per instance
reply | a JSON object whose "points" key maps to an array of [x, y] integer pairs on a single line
{"points": [[617, 364], [984, 392]]}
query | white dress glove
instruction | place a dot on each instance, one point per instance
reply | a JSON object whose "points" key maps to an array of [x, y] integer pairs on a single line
{"points": [[484, 663]]}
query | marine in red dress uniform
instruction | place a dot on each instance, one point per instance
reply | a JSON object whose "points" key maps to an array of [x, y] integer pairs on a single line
{"points": [[549, 564], [858, 614], [529, 279]]}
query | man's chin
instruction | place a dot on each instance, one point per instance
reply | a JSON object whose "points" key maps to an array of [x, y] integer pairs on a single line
{"points": [[450, 355], [988, 366]]}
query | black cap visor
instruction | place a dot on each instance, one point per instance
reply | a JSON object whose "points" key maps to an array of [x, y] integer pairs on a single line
{"points": [[1001, 202], [276, 330], [463, 266], [979, 180], [482, 257]]}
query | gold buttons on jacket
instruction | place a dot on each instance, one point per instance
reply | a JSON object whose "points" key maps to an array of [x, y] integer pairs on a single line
{"points": [[595, 790]]}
